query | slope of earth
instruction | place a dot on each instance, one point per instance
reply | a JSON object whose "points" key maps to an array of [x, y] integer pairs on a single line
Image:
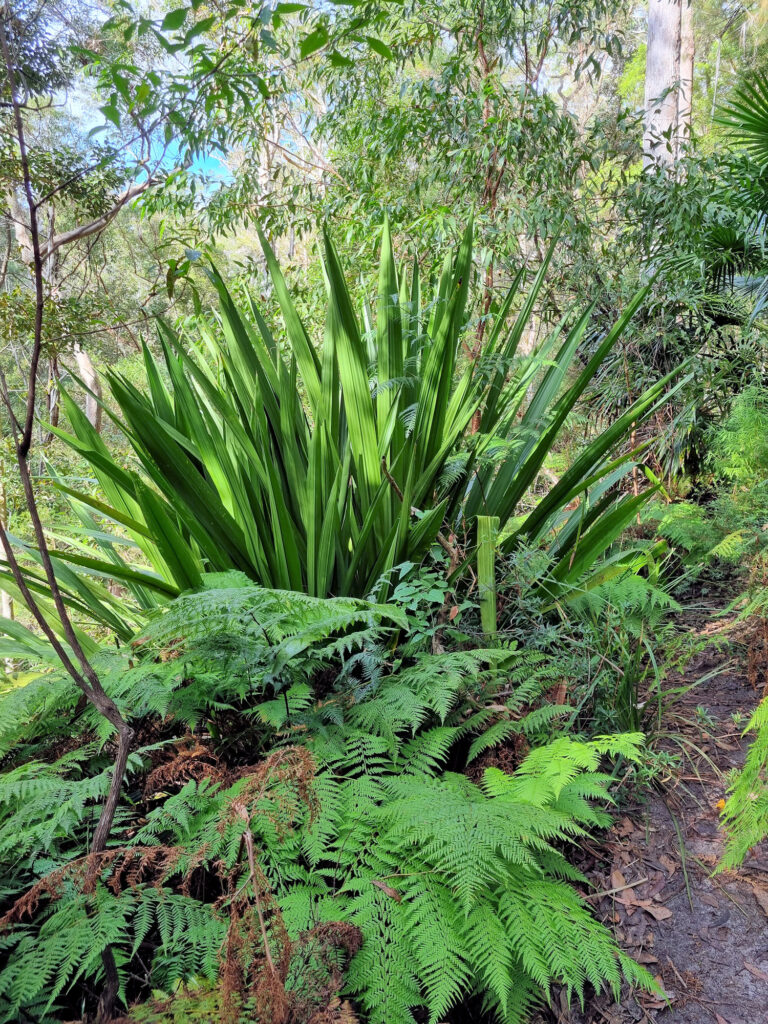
{"points": [[704, 937]]}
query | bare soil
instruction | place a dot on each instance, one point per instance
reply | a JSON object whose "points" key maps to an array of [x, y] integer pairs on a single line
{"points": [[703, 936]]}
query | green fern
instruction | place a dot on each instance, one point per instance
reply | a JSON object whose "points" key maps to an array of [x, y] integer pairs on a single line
{"points": [[427, 867], [745, 815], [739, 446], [431, 869], [455, 887], [237, 643], [78, 926], [425, 863], [690, 528], [79, 915], [635, 596], [229, 603], [47, 812], [33, 710]]}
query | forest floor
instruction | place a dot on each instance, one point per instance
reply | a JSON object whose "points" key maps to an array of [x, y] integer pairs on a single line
{"points": [[704, 937]]}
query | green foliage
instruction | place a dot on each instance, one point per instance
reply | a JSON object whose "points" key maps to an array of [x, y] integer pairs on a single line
{"points": [[229, 605], [77, 928], [496, 123], [232, 646], [725, 532], [256, 472], [455, 887], [416, 861], [47, 810], [739, 446], [427, 868], [690, 528], [745, 815], [746, 115], [732, 525], [236, 473], [602, 637], [634, 596], [426, 863], [472, 898], [84, 906], [262, 653]]}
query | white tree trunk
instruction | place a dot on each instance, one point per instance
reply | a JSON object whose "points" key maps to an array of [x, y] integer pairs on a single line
{"points": [[90, 377], [6, 611], [662, 75], [685, 90]]}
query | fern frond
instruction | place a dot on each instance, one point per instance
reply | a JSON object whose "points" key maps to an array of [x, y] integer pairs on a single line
{"points": [[745, 815]]}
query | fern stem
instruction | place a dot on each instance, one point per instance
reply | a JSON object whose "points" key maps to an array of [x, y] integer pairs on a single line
{"points": [[248, 837]]}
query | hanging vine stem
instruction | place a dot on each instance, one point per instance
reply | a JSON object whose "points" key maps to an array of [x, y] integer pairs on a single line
{"points": [[71, 654]]}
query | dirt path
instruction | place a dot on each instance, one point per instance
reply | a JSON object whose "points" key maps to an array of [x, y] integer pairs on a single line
{"points": [[704, 938]]}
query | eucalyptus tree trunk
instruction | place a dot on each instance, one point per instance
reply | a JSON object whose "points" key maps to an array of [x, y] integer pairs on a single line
{"points": [[662, 76], [685, 89], [91, 379], [6, 611]]}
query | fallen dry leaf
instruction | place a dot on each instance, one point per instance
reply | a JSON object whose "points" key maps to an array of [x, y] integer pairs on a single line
{"points": [[618, 881], [651, 1001], [709, 859], [762, 898], [720, 1020], [393, 893], [646, 958], [657, 883], [631, 900], [756, 972], [668, 863], [660, 913]]}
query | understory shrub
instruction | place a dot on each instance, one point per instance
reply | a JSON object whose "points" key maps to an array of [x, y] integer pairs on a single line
{"points": [[745, 815], [730, 528], [321, 469], [312, 815]]}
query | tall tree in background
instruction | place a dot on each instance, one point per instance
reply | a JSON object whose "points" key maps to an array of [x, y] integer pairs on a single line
{"points": [[685, 89], [511, 97], [668, 80]]}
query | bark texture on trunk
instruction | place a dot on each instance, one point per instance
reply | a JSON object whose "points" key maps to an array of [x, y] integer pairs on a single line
{"points": [[685, 90], [6, 610], [91, 379], [662, 76]]}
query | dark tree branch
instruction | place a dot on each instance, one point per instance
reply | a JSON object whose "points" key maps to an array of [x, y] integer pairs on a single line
{"points": [[76, 664], [71, 655], [26, 438]]}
